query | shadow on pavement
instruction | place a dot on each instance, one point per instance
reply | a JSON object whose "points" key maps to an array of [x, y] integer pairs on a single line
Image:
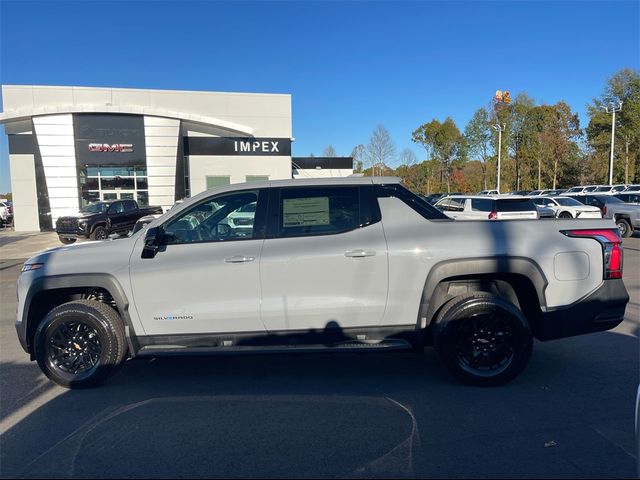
{"points": [[367, 415]]}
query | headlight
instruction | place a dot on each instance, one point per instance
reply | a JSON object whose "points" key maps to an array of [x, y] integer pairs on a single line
{"points": [[27, 267]]}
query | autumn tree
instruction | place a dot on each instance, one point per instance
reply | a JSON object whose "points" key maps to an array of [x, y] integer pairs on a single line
{"points": [[623, 87], [479, 137], [445, 143]]}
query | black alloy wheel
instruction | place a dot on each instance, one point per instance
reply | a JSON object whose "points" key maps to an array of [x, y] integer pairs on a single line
{"points": [[74, 347], [99, 233], [80, 343], [485, 344], [483, 339]]}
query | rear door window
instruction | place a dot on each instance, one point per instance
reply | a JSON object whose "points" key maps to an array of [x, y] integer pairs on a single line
{"points": [[515, 205], [308, 211], [481, 204]]}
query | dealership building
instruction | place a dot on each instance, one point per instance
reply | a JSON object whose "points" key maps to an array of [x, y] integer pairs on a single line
{"points": [[69, 146]]}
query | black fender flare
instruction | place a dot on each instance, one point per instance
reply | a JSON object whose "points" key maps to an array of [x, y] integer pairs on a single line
{"points": [[469, 267], [79, 280]]}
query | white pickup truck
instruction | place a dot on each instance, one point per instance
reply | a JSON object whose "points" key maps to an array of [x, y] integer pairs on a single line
{"points": [[352, 264]]}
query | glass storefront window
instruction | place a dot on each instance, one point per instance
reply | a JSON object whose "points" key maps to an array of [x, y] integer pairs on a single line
{"points": [[122, 183], [143, 198], [112, 183], [90, 197], [91, 184], [117, 171]]}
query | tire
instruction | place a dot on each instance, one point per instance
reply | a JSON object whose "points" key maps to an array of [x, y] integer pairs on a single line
{"points": [[66, 329], [624, 227], [99, 233], [462, 338], [565, 215], [67, 241]]}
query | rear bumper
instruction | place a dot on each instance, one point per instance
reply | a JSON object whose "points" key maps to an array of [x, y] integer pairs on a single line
{"points": [[602, 310]]}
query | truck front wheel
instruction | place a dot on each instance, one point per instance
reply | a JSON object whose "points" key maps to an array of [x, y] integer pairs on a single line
{"points": [[67, 241], [81, 343], [483, 339], [99, 233]]}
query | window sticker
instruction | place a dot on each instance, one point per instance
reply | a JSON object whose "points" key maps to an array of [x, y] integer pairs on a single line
{"points": [[305, 212]]}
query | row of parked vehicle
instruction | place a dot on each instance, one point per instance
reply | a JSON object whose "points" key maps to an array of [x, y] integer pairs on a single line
{"points": [[6, 212], [618, 202]]}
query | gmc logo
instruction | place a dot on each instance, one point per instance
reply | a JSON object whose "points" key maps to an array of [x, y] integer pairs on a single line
{"points": [[107, 147]]}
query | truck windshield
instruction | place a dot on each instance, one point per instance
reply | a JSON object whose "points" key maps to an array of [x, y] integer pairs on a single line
{"points": [[94, 208]]}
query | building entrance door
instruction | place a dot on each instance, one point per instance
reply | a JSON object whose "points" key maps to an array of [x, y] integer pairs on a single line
{"points": [[118, 195]]}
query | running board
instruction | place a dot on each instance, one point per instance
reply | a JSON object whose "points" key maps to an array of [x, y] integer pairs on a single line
{"points": [[153, 350]]}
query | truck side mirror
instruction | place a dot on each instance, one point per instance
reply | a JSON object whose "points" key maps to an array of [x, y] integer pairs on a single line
{"points": [[151, 242]]}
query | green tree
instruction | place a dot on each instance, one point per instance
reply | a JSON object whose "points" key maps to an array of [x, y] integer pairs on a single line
{"points": [[623, 87], [479, 136], [446, 144]]}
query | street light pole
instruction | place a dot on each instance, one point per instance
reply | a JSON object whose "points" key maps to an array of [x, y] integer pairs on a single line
{"points": [[499, 128], [612, 108]]}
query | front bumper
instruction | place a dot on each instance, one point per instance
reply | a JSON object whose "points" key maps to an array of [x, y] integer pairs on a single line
{"points": [[599, 311]]}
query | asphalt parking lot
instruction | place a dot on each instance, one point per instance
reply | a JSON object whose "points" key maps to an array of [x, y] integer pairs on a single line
{"points": [[570, 414]]}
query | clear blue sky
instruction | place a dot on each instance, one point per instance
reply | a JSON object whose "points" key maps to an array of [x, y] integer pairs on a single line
{"points": [[348, 65]]}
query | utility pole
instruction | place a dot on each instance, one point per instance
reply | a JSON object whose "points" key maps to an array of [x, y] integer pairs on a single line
{"points": [[612, 108], [499, 128]]}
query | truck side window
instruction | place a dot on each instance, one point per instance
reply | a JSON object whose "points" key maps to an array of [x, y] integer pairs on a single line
{"points": [[224, 217], [309, 211], [116, 208]]}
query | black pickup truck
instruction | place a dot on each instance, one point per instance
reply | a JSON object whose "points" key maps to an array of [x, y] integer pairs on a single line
{"points": [[99, 220]]}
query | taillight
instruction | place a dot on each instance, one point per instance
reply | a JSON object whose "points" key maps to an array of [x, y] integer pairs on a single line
{"points": [[493, 216], [611, 243], [604, 210]]}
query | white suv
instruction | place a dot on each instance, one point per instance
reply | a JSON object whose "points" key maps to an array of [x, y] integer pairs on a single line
{"points": [[5, 214], [481, 207]]}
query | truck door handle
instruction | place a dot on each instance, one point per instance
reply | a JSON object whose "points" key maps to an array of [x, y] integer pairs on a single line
{"points": [[359, 253], [239, 259]]}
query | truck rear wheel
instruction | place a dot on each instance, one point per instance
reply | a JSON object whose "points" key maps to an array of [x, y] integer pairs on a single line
{"points": [[483, 339], [624, 227], [81, 343]]}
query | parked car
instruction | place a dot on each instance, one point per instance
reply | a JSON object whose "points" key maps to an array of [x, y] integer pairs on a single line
{"points": [[632, 189], [477, 207], [99, 220], [521, 192], [626, 216], [537, 193], [6, 214], [567, 207], [580, 189], [544, 212], [609, 189], [489, 192], [434, 197], [330, 265]]}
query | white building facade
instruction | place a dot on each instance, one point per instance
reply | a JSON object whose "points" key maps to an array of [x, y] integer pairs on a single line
{"points": [[69, 146]]}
